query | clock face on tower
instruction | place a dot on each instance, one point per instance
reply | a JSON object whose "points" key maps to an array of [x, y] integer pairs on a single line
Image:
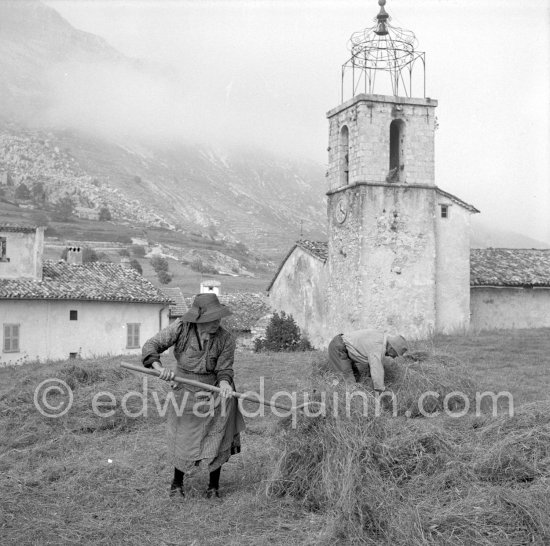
{"points": [[341, 211]]}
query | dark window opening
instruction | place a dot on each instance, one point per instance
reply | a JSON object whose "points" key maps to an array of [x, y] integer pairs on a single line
{"points": [[3, 249], [73, 315], [73, 355], [132, 339], [397, 151], [444, 211], [344, 151], [11, 338]]}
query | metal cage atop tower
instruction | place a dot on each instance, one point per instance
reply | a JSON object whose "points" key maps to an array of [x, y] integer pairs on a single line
{"points": [[383, 49]]}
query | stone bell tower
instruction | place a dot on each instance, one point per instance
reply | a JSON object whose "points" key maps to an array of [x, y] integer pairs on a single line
{"points": [[392, 264]]}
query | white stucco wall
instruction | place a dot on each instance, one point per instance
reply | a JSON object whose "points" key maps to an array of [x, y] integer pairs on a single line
{"points": [[46, 333], [509, 308], [24, 251], [453, 267], [300, 290]]}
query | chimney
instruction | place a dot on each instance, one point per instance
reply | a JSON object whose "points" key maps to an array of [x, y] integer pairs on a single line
{"points": [[74, 255]]}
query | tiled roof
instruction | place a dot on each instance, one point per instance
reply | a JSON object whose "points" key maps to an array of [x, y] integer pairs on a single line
{"points": [[317, 249], [456, 200], [96, 281], [247, 309], [178, 307], [17, 228], [509, 267]]}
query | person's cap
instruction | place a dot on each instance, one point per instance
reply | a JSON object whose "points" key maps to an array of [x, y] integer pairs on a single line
{"points": [[399, 344]]}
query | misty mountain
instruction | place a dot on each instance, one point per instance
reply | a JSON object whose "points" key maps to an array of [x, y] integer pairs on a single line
{"points": [[485, 236], [73, 110]]}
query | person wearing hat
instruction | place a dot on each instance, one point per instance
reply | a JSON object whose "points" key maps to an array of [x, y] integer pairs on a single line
{"points": [[198, 433], [359, 353]]}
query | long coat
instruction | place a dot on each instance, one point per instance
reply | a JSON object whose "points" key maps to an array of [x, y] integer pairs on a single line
{"points": [[199, 430]]}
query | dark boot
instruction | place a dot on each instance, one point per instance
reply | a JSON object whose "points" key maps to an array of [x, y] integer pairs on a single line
{"points": [[176, 490], [214, 484]]}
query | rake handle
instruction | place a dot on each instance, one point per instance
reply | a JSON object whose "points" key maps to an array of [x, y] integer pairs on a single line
{"points": [[205, 386]]}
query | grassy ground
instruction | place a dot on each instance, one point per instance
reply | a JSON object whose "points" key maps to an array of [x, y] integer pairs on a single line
{"points": [[57, 485]]}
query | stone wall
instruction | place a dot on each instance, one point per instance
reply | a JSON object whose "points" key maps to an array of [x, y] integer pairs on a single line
{"points": [[509, 308], [300, 290], [368, 119]]}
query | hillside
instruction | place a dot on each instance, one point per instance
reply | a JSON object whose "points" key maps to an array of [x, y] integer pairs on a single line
{"points": [[53, 133]]}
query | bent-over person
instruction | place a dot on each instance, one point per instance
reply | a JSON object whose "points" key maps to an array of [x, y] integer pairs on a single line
{"points": [[204, 352], [359, 354]]}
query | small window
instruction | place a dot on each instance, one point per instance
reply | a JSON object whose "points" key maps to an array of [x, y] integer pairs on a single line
{"points": [[3, 249], [132, 340], [73, 314], [444, 211], [11, 338]]}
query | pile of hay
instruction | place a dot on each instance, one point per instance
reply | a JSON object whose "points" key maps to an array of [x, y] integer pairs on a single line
{"points": [[24, 425], [409, 479]]}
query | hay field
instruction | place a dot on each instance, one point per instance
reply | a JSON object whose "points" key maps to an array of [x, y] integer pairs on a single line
{"points": [[433, 482]]}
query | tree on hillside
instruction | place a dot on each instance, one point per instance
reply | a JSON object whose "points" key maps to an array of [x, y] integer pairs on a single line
{"points": [[124, 252], [159, 263], [138, 251], [134, 264], [38, 193], [164, 277], [104, 214], [63, 209], [22, 191]]}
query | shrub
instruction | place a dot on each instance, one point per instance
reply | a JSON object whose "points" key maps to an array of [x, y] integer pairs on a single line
{"points": [[199, 266], [124, 252], [282, 334], [63, 209], [164, 277], [22, 191], [138, 251], [159, 263], [104, 214], [136, 265]]}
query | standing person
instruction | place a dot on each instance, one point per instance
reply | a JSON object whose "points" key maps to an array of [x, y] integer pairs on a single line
{"points": [[204, 351], [360, 353]]}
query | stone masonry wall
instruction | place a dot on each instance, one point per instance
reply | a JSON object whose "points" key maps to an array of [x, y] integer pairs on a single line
{"points": [[368, 118]]}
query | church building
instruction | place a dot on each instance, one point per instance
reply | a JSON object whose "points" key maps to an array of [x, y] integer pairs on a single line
{"points": [[398, 250]]}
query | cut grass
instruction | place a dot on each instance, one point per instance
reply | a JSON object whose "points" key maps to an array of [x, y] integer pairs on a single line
{"points": [[57, 486]]}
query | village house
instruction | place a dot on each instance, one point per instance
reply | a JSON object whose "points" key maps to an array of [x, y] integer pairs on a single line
{"points": [[52, 310]]}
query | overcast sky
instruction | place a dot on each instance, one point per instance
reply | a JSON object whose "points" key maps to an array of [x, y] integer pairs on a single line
{"points": [[268, 71]]}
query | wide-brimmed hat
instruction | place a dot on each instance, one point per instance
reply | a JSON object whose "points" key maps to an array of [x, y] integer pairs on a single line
{"points": [[399, 344], [206, 308]]}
